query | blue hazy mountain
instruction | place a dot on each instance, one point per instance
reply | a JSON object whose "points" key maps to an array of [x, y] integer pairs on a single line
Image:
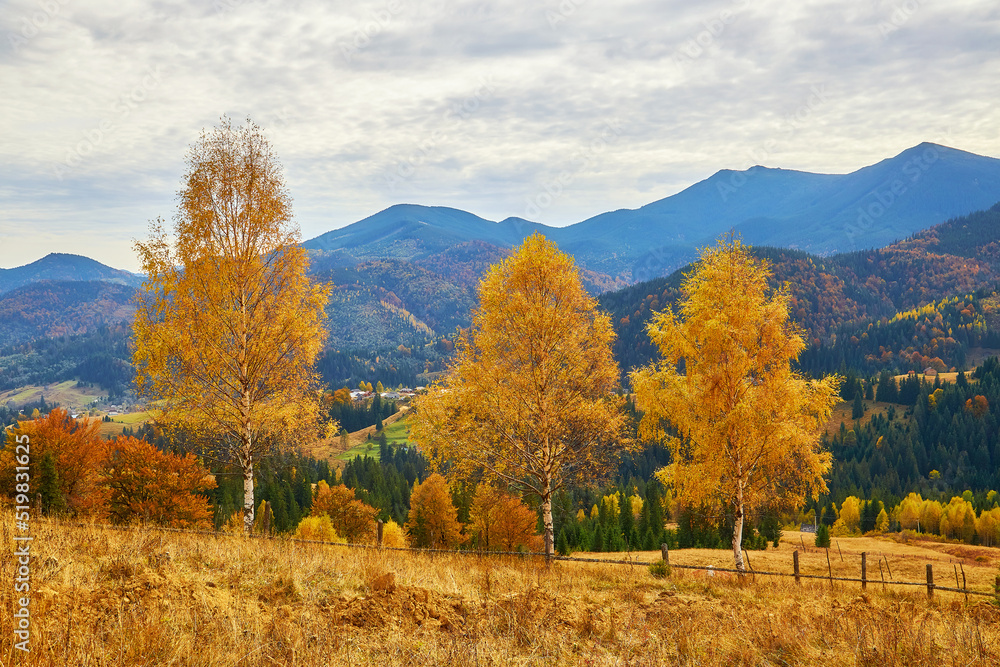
{"points": [[64, 267], [818, 213], [409, 231]]}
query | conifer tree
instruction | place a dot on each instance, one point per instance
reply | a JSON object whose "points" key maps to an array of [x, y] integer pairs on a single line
{"points": [[562, 544]]}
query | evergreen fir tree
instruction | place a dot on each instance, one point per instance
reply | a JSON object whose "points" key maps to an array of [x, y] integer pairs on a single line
{"points": [[562, 544], [634, 540], [626, 518], [597, 542], [858, 409], [52, 498], [655, 508], [613, 538], [294, 512], [829, 515], [823, 536], [279, 509], [649, 540], [644, 524]]}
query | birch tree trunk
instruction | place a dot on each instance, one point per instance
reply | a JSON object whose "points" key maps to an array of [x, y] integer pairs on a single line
{"points": [[738, 530], [547, 519], [248, 508]]}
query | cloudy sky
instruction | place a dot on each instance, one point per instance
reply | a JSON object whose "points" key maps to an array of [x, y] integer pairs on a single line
{"points": [[475, 105]]}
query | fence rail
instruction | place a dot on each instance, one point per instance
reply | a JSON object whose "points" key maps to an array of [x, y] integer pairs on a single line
{"points": [[863, 580]]}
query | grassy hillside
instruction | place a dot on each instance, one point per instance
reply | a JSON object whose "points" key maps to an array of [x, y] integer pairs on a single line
{"points": [[145, 597], [921, 292], [67, 394]]}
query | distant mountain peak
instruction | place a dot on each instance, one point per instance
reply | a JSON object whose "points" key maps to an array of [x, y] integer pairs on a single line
{"points": [[819, 213], [60, 266]]}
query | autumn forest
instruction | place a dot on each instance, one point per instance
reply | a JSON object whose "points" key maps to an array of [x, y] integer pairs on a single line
{"points": [[551, 420]]}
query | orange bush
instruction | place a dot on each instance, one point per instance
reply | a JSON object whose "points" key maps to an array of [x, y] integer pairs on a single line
{"points": [[145, 483], [350, 517], [76, 450], [501, 521]]}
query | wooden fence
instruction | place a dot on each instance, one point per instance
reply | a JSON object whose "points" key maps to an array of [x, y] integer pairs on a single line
{"points": [[864, 580]]}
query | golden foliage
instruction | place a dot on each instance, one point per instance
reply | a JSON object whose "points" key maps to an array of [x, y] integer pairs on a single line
{"points": [[907, 513], [433, 520], [350, 517], [848, 518], [988, 527], [749, 425], [882, 521], [529, 398], [958, 520], [228, 324], [318, 527], [393, 535]]}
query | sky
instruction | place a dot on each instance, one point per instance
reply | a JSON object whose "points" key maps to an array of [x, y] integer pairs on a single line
{"points": [[552, 110]]}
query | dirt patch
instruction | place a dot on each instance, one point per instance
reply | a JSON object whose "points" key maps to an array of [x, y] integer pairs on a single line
{"points": [[402, 607], [970, 554]]}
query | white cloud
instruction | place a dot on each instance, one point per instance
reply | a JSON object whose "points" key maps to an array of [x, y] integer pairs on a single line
{"points": [[477, 105]]}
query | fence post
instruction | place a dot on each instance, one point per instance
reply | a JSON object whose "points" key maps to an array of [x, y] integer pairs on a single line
{"points": [[795, 566], [829, 567], [930, 580], [864, 570], [665, 553], [379, 532]]}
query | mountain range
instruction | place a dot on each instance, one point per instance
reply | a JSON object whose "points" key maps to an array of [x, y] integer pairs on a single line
{"points": [[819, 213], [406, 277]]}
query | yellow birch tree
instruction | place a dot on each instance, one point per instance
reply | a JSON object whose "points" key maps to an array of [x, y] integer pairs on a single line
{"points": [[228, 324], [529, 400], [747, 425]]}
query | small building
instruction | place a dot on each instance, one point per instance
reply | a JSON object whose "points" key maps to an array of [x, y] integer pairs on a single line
{"points": [[930, 372]]}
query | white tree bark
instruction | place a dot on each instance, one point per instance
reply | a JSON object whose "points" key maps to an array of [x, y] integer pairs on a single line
{"points": [[738, 530], [248, 508], [547, 519]]}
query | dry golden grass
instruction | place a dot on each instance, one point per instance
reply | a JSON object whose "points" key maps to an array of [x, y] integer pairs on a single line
{"points": [[147, 597], [843, 410]]}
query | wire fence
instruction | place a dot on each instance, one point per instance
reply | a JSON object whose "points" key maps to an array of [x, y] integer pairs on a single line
{"points": [[749, 571]]}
